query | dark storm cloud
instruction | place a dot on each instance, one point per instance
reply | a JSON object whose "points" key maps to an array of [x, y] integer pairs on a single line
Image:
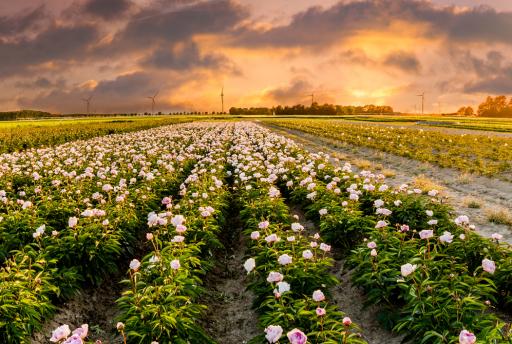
{"points": [[156, 26], [107, 9], [295, 92], [20, 23], [404, 61], [184, 56], [41, 82], [318, 27], [52, 45]]}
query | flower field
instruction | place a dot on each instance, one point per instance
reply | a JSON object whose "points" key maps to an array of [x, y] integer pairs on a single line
{"points": [[154, 204], [487, 155]]}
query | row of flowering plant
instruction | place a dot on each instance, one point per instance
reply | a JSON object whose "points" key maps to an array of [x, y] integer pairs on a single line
{"points": [[288, 266], [80, 206], [162, 299], [410, 253]]}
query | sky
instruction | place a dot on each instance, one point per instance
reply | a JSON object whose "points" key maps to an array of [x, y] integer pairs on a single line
{"points": [[55, 53]]}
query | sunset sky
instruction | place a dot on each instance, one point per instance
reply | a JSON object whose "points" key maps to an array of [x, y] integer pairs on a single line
{"points": [[53, 53]]}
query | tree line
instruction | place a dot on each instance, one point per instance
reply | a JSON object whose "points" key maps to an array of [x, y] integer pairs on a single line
{"points": [[491, 107], [315, 109]]}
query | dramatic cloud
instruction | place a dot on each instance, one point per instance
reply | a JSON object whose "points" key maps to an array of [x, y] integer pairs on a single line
{"points": [[107, 9], [54, 52], [53, 45], [154, 27], [293, 93], [319, 27], [404, 61], [184, 56]]}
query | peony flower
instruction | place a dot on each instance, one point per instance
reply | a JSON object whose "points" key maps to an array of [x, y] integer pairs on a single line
{"points": [[307, 254], [429, 213], [467, 337], [284, 259], [72, 222], [320, 311], [273, 333], [407, 269], [497, 236], [283, 287], [447, 237], [149, 236], [249, 265], [263, 224], [60, 333], [74, 339], [426, 234], [488, 266], [297, 227], [381, 224], [322, 212], [462, 220], [271, 238], [177, 220], [347, 321], [318, 296], [274, 277], [175, 264], [432, 222], [255, 235], [325, 247], [82, 331], [296, 336], [134, 265], [378, 203], [120, 326], [373, 253], [371, 245]]}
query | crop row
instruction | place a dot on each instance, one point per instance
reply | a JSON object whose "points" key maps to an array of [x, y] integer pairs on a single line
{"points": [[36, 134], [487, 155], [162, 299], [436, 277], [288, 267], [70, 213]]}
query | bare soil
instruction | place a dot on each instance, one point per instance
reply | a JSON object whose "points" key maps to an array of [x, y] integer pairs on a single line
{"points": [[491, 193], [230, 318], [94, 306]]}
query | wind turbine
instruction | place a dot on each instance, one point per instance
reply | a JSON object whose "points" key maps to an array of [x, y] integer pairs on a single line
{"points": [[153, 102], [312, 95], [222, 98], [88, 103], [422, 95]]}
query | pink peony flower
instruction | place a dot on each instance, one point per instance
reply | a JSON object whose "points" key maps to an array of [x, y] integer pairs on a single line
{"points": [[347, 321], [296, 336], [263, 224], [74, 339], [134, 265], [407, 269], [373, 253], [320, 311], [497, 236], [488, 266], [318, 296], [325, 247], [467, 337], [175, 264], [307, 254], [255, 235], [82, 331], [447, 237], [274, 277], [60, 333], [249, 265], [426, 234], [284, 259], [273, 333], [371, 245]]}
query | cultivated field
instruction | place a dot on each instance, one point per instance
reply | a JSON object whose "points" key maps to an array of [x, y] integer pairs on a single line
{"points": [[273, 231]]}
